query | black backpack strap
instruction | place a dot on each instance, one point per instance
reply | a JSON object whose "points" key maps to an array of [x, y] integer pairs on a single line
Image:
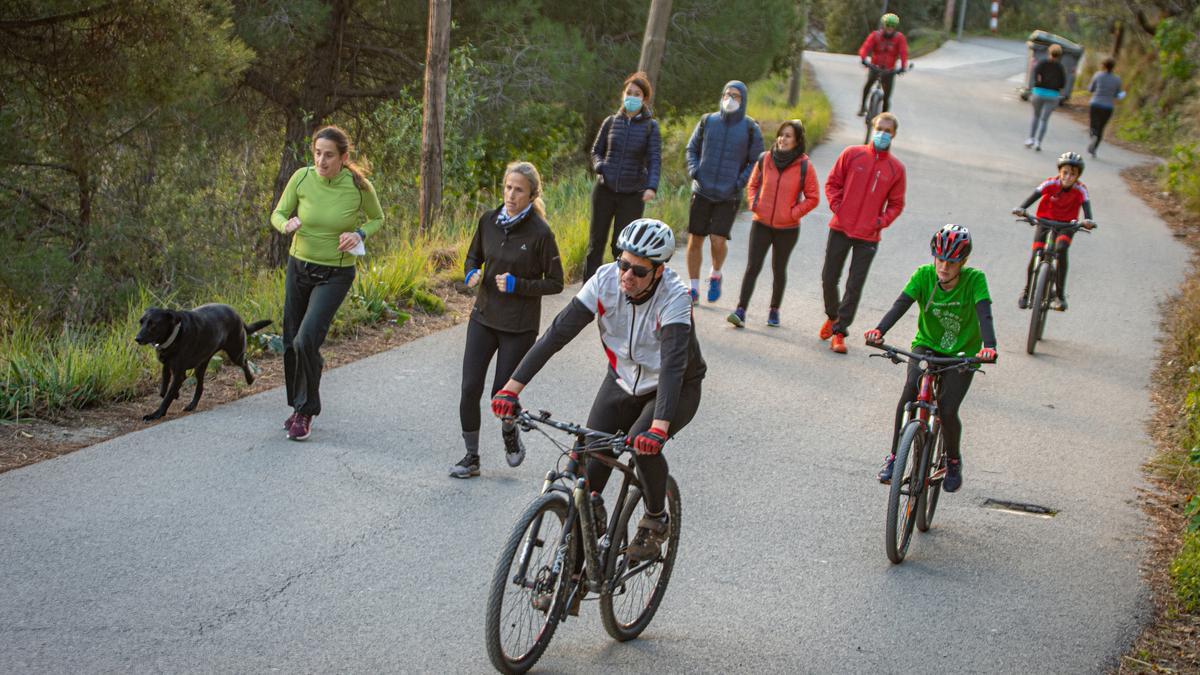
{"points": [[762, 180], [803, 179]]}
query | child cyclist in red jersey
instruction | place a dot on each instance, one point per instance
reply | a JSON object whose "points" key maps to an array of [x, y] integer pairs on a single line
{"points": [[955, 318], [1062, 198]]}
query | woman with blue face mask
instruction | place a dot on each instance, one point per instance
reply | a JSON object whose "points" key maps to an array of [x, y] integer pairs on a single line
{"points": [[627, 159]]}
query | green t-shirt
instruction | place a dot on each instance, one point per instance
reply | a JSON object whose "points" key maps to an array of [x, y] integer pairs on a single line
{"points": [[327, 207], [948, 323]]}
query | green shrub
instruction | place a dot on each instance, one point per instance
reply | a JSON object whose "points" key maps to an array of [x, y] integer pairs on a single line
{"points": [[1185, 572]]}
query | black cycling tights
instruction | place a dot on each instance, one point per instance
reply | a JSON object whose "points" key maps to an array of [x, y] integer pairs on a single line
{"points": [[954, 390], [615, 410], [1062, 246]]}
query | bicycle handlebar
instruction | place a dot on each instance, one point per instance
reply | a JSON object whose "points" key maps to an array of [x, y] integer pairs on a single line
{"points": [[926, 360], [527, 420], [1056, 225]]}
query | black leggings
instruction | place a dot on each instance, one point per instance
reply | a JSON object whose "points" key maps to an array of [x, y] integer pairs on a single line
{"points": [[1099, 116], [953, 390], [611, 212], [312, 294], [482, 344], [1062, 245], [615, 410], [781, 241]]}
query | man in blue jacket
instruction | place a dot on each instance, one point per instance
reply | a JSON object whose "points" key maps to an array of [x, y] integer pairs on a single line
{"points": [[720, 157]]}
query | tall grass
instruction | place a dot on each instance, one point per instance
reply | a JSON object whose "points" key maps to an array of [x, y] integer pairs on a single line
{"points": [[43, 372]]}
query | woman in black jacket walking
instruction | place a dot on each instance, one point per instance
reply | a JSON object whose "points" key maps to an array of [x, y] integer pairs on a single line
{"points": [[627, 158], [513, 261]]}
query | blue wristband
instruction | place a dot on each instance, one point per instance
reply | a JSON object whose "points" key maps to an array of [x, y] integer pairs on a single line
{"points": [[470, 275], [510, 284]]}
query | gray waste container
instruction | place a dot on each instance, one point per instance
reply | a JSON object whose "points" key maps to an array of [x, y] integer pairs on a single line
{"points": [[1039, 50]]}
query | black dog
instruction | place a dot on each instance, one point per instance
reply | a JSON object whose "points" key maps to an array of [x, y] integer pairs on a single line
{"points": [[187, 340]]}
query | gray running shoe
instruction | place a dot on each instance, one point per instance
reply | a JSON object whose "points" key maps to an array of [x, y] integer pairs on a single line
{"points": [[467, 467], [514, 448]]}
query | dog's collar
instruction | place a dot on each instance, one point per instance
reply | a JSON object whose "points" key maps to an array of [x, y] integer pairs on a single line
{"points": [[174, 334]]}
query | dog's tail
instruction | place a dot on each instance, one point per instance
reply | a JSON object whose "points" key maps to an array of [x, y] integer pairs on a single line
{"points": [[257, 326]]}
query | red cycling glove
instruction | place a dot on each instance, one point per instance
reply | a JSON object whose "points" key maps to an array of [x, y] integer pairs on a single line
{"points": [[987, 354], [873, 336], [649, 442], [505, 404]]}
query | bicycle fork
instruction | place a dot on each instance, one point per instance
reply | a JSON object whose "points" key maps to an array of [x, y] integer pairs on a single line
{"points": [[587, 523]]}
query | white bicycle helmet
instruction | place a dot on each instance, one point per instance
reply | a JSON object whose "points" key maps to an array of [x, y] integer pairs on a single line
{"points": [[648, 238]]}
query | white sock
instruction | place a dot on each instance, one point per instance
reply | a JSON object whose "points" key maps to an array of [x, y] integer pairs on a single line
{"points": [[696, 285], [714, 273]]}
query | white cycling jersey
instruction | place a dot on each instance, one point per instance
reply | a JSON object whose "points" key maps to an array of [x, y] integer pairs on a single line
{"points": [[631, 334]]}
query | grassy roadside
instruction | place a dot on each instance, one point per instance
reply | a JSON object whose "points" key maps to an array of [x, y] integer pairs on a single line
{"points": [[44, 372]]}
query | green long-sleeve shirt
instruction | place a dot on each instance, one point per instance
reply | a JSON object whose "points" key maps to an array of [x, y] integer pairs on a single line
{"points": [[327, 207]]}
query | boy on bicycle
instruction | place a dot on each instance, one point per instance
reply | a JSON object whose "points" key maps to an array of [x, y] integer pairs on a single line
{"points": [[1062, 198], [955, 318], [652, 388]]}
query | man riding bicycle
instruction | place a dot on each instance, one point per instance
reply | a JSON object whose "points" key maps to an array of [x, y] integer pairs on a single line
{"points": [[955, 317], [1062, 198], [655, 368], [884, 47]]}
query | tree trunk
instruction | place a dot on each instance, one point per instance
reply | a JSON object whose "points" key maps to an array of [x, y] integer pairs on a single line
{"points": [[948, 18], [654, 43], [1118, 38], [798, 54], [295, 143], [437, 65]]}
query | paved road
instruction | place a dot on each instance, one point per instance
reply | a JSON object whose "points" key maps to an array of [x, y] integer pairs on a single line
{"points": [[210, 543]]}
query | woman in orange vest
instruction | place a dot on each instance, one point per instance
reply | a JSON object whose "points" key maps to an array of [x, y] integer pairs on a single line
{"points": [[782, 189]]}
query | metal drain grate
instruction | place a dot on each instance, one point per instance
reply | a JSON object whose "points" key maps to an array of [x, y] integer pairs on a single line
{"points": [[1019, 508]]}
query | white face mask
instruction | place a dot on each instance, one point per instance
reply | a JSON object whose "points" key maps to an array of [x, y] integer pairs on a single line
{"points": [[729, 105]]}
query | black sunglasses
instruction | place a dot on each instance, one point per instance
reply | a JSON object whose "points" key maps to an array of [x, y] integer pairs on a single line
{"points": [[638, 270]]}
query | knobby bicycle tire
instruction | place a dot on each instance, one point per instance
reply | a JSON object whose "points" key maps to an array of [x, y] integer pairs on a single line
{"points": [[1037, 306], [628, 594], [900, 521], [933, 487], [532, 522], [874, 107]]}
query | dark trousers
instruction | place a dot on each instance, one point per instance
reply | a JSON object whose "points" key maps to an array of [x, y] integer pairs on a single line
{"points": [[1099, 116], [615, 410], [886, 80], [611, 212], [482, 344], [312, 295], [1063, 246], [841, 312], [781, 243], [953, 390]]}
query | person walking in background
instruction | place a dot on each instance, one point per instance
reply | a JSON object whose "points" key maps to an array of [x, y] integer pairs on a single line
{"points": [[782, 189], [720, 157], [865, 190], [331, 208], [627, 159], [1106, 91], [1049, 80], [513, 260]]}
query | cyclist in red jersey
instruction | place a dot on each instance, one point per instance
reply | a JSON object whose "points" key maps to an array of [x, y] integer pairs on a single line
{"points": [[1062, 197], [884, 47]]}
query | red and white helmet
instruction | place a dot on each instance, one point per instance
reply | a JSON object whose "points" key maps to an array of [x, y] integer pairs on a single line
{"points": [[952, 243]]}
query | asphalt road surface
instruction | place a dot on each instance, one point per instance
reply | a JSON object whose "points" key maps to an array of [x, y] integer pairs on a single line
{"points": [[210, 543]]}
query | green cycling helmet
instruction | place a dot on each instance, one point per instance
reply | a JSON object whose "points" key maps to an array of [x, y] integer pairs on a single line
{"points": [[890, 21]]}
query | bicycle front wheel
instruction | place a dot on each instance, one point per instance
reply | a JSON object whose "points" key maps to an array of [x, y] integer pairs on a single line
{"points": [[933, 481], [529, 586], [1038, 305], [905, 493], [637, 588]]}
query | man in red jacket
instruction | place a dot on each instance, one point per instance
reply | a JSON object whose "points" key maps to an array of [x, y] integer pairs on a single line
{"points": [[884, 47], [865, 190]]}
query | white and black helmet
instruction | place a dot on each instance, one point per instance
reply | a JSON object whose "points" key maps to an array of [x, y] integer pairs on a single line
{"points": [[648, 238]]}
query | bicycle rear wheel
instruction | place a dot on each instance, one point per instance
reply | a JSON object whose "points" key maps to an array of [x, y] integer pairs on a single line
{"points": [[1038, 304], [933, 481], [637, 588], [905, 493], [529, 586]]}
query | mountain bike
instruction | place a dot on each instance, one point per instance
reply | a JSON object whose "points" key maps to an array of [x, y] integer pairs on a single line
{"points": [[920, 464], [555, 556], [875, 97], [1043, 281]]}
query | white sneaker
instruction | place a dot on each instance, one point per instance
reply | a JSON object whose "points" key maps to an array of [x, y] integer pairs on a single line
{"points": [[1029, 142]]}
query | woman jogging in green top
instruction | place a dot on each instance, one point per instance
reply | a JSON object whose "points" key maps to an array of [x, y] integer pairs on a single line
{"points": [[321, 204]]}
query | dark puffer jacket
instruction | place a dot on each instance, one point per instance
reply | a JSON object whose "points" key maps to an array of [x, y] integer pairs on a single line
{"points": [[722, 151], [628, 152]]}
